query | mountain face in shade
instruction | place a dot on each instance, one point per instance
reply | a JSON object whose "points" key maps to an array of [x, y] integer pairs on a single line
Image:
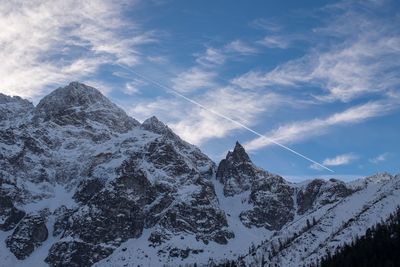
{"points": [[236, 171], [83, 184]]}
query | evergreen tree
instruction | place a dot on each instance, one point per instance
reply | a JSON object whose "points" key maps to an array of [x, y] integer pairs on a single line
{"points": [[380, 246]]}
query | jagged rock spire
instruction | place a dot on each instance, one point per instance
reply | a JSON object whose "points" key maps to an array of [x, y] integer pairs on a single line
{"points": [[236, 171], [239, 154]]}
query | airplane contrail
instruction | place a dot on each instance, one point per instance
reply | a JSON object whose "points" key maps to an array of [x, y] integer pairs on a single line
{"points": [[170, 90]]}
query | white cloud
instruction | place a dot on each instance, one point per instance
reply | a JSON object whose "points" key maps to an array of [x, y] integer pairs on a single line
{"points": [[201, 125], [211, 57], [266, 24], [302, 130], [133, 87], [274, 41], [46, 42], [214, 57], [158, 59], [380, 158], [363, 61], [197, 125], [316, 167], [240, 47], [193, 79], [257, 79], [339, 160]]}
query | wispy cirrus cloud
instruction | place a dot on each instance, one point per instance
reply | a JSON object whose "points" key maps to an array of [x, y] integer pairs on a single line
{"points": [[356, 65], [197, 125], [302, 130], [241, 47], [267, 24], [133, 87], [380, 158], [275, 41], [214, 57], [211, 57], [51, 42], [193, 79], [363, 61]]}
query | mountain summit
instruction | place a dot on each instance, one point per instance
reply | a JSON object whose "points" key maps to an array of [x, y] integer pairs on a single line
{"points": [[78, 103], [239, 154], [236, 171], [73, 95], [83, 184]]}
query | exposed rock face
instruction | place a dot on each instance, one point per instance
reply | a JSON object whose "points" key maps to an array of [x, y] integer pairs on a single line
{"points": [[76, 254], [272, 198], [270, 195], [30, 233], [197, 214], [319, 192], [307, 196], [10, 216], [236, 171]]}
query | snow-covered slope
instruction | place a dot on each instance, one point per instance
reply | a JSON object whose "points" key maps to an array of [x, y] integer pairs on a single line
{"points": [[82, 183], [320, 231]]}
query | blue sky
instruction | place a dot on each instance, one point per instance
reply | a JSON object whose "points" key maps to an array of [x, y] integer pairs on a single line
{"points": [[321, 77]]}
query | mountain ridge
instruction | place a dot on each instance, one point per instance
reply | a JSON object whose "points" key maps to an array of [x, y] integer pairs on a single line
{"points": [[84, 184]]}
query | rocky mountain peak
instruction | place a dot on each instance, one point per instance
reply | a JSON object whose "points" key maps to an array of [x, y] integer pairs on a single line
{"points": [[153, 124], [74, 95], [77, 104], [236, 171], [238, 154]]}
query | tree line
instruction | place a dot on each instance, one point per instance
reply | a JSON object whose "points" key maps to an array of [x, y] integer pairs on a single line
{"points": [[380, 246]]}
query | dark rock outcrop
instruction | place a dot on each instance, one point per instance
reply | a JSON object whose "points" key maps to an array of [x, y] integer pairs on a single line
{"points": [[272, 198], [30, 233], [320, 192], [76, 254], [236, 171], [10, 216]]}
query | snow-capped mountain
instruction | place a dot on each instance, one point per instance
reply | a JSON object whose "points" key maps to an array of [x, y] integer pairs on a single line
{"points": [[82, 184]]}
